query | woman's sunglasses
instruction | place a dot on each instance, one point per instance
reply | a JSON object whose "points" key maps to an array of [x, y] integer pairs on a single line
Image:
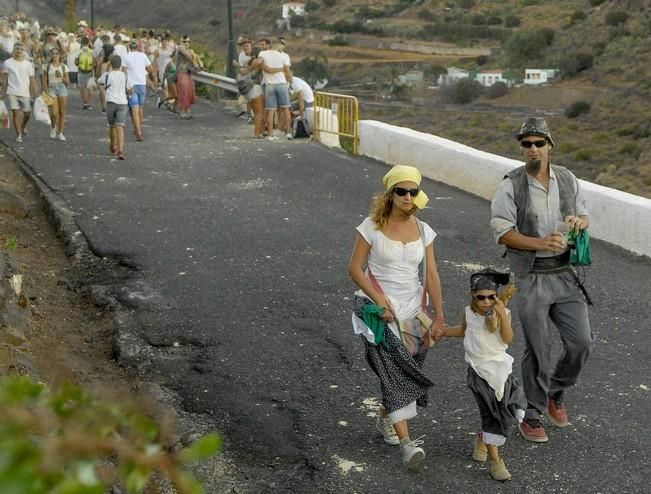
{"points": [[528, 144], [484, 297], [403, 192]]}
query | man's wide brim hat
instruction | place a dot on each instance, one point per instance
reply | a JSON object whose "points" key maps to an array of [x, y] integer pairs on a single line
{"points": [[535, 126]]}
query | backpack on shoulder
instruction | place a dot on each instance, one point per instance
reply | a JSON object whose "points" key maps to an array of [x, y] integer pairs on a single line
{"points": [[85, 61], [301, 128]]}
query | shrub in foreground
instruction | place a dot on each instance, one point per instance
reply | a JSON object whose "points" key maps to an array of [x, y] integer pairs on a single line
{"points": [[66, 441]]}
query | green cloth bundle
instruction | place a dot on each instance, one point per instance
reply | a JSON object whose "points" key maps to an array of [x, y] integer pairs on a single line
{"points": [[580, 255], [373, 319]]}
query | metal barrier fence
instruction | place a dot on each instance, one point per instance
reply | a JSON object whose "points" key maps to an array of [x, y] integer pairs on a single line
{"points": [[337, 115], [216, 80]]}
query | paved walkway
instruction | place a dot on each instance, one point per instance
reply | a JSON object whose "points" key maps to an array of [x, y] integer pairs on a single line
{"points": [[240, 303]]}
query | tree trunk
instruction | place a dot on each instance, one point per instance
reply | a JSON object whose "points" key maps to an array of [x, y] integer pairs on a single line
{"points": [[70, 11]]}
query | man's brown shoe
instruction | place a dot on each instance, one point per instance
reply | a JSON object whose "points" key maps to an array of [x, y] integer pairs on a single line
{"points": [[557, 413], [532, 430]]}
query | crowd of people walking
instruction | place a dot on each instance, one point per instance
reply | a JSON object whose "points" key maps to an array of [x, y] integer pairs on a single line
{"points": [[49, 62], [41, 65]]}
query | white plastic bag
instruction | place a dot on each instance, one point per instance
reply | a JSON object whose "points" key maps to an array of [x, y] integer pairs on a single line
{"points": [[4, 115], [91, 84], [41, 112]]}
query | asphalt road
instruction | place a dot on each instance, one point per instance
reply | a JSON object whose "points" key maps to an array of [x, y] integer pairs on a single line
{"points": [[240, 302]]}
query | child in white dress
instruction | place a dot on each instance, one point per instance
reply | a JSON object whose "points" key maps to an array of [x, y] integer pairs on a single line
{"points": [[486, 331]]}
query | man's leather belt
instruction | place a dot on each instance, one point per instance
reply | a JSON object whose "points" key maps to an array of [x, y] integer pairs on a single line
{"points": [[554, 264]]}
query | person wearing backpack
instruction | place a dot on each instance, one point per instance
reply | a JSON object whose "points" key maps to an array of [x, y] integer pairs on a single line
{"points": [[85, 65]]}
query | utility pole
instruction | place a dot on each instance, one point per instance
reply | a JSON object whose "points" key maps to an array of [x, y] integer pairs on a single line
{"points": [[17, 5], [92, 15], [230, 69]]}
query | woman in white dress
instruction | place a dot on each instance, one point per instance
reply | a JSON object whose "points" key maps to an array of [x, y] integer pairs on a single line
{"points": [[390, 246]]}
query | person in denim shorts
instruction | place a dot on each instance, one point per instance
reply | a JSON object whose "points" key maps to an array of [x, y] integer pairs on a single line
{"points": [[275, 69], [19, 85], [55, 79], [117, 108]]}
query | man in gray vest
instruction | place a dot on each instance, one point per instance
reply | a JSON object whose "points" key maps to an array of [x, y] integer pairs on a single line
{"points": [[532, 211]]}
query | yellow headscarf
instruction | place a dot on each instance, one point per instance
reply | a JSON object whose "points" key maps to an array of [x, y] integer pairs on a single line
{"points": [[403, 173]]}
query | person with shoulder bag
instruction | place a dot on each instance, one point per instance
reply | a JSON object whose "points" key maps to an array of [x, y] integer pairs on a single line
{"points": [[390, 308]]}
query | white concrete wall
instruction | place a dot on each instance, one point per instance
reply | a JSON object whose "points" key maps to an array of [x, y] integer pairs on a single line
{"points": [[617, 217]]}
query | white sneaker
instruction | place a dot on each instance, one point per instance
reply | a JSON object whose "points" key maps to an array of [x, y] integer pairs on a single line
{"points": [[412, 454], [289, 136], [61, 137], [271, 138], [385, 427], [53, 134], [19, 139]]}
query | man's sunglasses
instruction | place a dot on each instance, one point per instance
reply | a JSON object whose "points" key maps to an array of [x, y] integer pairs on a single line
{"points": [[403, 192], [484, 297], [528, 144]]}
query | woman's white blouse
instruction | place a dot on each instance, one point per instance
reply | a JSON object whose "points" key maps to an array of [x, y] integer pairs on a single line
{"points": [[395, 265]]}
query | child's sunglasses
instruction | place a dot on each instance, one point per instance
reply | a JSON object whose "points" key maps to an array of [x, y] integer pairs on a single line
{"points": [[484, 297], [403, 192], [528, 144]]}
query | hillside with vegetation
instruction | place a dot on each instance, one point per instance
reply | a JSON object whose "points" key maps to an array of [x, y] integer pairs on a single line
{"points": [[598, 109]]}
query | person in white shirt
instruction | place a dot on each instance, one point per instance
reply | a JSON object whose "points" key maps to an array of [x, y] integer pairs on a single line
{"points": [[302, 98], [19, 84], [7, 40], [275, 73], [74, 47], [138, 68], [114, 83], [118, 48]]}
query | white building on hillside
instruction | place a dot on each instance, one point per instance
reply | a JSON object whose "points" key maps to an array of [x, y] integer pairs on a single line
{"points": [[489, 77], [293, 8], [539, 76], [454, 75]]}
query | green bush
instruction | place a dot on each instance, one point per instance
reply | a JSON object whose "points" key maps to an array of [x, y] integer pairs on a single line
{"points": [[572, 64], [494, 20], [616, 17], [312, 6], [631, 149], [497, 90], [478, 20], [312, 70], [329, 3], [338, 40], [596, 3], [464, 91], [524, 46], [66, 441], [512, 21], [577, 16], [583, 155], [577, 108]]}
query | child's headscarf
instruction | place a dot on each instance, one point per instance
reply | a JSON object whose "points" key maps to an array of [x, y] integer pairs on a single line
{"points": [[403, 173]]}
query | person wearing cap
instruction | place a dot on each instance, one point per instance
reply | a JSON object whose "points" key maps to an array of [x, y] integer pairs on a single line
{"points": [[138, 68], [486, 331], [389, 247], [531, 213]]}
